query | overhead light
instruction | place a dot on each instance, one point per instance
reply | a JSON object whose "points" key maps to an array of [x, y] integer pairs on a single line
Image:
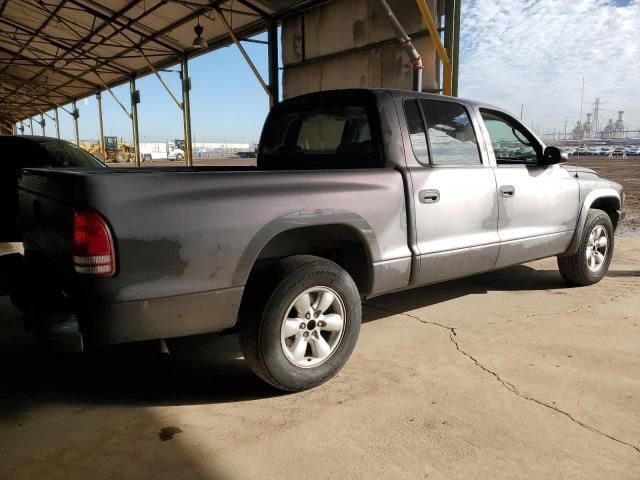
{"points": [[198, 41]]}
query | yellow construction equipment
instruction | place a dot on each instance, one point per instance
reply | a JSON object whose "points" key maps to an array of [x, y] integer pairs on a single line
{"points": [[118, 152]]}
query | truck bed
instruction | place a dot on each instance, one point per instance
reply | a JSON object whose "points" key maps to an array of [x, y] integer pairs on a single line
{"points": [[187, 236]]}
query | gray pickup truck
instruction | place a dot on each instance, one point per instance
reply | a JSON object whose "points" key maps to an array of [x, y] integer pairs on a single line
{"points": [[356, 193]]}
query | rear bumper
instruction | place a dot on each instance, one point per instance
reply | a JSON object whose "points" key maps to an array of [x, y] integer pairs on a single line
{"points": [[168, 317], [72, 328]]}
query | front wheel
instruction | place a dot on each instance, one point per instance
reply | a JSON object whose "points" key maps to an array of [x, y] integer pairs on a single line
{"points": [[591, 262], [300, 322], [179, 157]]}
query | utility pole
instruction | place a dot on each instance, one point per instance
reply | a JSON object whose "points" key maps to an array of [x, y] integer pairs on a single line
{"points": [[581, 99], [565, 128], [596, 113], [521, 109]]}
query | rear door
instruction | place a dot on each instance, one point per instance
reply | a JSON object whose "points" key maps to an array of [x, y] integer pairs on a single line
{"points": [[538, 203], [454, 192]]}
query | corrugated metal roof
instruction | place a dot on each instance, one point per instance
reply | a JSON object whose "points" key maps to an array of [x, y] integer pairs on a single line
{"points": [[54, 51]]}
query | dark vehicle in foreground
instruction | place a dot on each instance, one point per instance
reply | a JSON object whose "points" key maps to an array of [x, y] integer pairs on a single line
{"points": [[28, 151], [356, 193], [20, 152]]}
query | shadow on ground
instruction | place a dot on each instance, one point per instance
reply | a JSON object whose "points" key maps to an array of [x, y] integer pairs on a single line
{"points": [[199, 370], [518, 278]]}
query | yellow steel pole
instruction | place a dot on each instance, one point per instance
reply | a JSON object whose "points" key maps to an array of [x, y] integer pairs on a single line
{"points": [[447, 79]]}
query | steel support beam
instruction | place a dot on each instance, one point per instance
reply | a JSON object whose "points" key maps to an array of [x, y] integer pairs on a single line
{"points": [[135, 99], [449, 34], [274, 80], [456, 48], [55, 112], [243, 52], [75, 114], [31, 125], [42, 125], [443, 55], [186, 111], [103, 152]]}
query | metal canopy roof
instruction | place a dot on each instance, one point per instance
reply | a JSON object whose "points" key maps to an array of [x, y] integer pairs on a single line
{"points": [[55, 51]]}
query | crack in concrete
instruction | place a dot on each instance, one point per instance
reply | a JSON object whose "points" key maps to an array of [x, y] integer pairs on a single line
{"points": [[574, 310], [509, 386]]}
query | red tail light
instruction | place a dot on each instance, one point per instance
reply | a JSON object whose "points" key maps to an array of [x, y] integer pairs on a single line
{"points": [[93, 251]]}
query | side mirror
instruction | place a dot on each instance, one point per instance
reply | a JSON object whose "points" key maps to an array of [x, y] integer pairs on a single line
{"points": [[553, 155]]}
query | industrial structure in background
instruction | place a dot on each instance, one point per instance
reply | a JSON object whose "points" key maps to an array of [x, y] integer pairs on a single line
{"points": [[591, 129], [66, 50]]}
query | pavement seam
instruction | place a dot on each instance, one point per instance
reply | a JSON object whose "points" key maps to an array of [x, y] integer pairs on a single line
{"points": [[509, 386]]}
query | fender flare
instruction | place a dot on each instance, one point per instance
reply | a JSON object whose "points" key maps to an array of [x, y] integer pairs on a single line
{"points": [[584, 211], [300, 219]]}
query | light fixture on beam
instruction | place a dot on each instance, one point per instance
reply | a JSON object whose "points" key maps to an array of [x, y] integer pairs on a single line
{"points": [[198, 41]]}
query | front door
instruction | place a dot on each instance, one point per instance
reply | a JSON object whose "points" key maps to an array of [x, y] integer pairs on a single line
{"points": [[454, 193], [538, 204]]}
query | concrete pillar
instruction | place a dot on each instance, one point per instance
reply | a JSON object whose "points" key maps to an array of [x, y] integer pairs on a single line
{"points": [[350, 44]]}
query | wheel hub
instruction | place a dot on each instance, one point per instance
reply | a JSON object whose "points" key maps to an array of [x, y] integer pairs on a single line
{"points": [[597, 248], [313, 327]]}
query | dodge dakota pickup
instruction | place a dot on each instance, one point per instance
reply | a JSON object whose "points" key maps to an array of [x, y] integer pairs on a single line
{"points": [[355, 193]]}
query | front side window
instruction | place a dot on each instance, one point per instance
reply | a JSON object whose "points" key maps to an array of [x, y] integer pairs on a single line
{"points": [[511, 144], [451, 136]]}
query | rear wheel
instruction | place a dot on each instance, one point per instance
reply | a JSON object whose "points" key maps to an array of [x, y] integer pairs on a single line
{"points": [[179, 157], [591, 262], [300, 322], [121, 157]]}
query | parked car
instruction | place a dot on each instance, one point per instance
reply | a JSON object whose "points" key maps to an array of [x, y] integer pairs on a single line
{"points": [[356, 193], [618, 152], [32, 151], [21, 152]]}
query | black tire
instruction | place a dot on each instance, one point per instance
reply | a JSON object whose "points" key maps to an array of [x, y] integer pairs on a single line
{"points": [[575, 268], [179, 157], [268, 297]]}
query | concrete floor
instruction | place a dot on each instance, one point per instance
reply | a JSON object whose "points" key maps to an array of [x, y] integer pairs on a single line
{"points": [[505, 375]]}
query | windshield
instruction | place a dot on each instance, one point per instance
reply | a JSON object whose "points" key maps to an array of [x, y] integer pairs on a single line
{"points": [[65, 154]]}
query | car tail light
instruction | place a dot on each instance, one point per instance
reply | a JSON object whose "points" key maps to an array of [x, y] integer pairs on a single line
{"points": [[93, 251]]}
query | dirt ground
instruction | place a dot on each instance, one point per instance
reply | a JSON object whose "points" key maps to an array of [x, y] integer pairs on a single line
{"points": [[627, 173], [505, 375]]}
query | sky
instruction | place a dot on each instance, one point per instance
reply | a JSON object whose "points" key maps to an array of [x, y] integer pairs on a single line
{"points": [[528, 55], [535, 52]]}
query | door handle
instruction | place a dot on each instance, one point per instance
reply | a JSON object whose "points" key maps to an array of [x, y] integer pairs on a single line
{"points": [[507, 191], [429, 196]]}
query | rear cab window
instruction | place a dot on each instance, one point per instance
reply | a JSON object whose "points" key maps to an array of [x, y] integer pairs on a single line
{"points": [[441, 133], [321, 136]]}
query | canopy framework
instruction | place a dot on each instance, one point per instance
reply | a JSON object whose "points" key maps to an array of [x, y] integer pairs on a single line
{"points": [[54, 52]]}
